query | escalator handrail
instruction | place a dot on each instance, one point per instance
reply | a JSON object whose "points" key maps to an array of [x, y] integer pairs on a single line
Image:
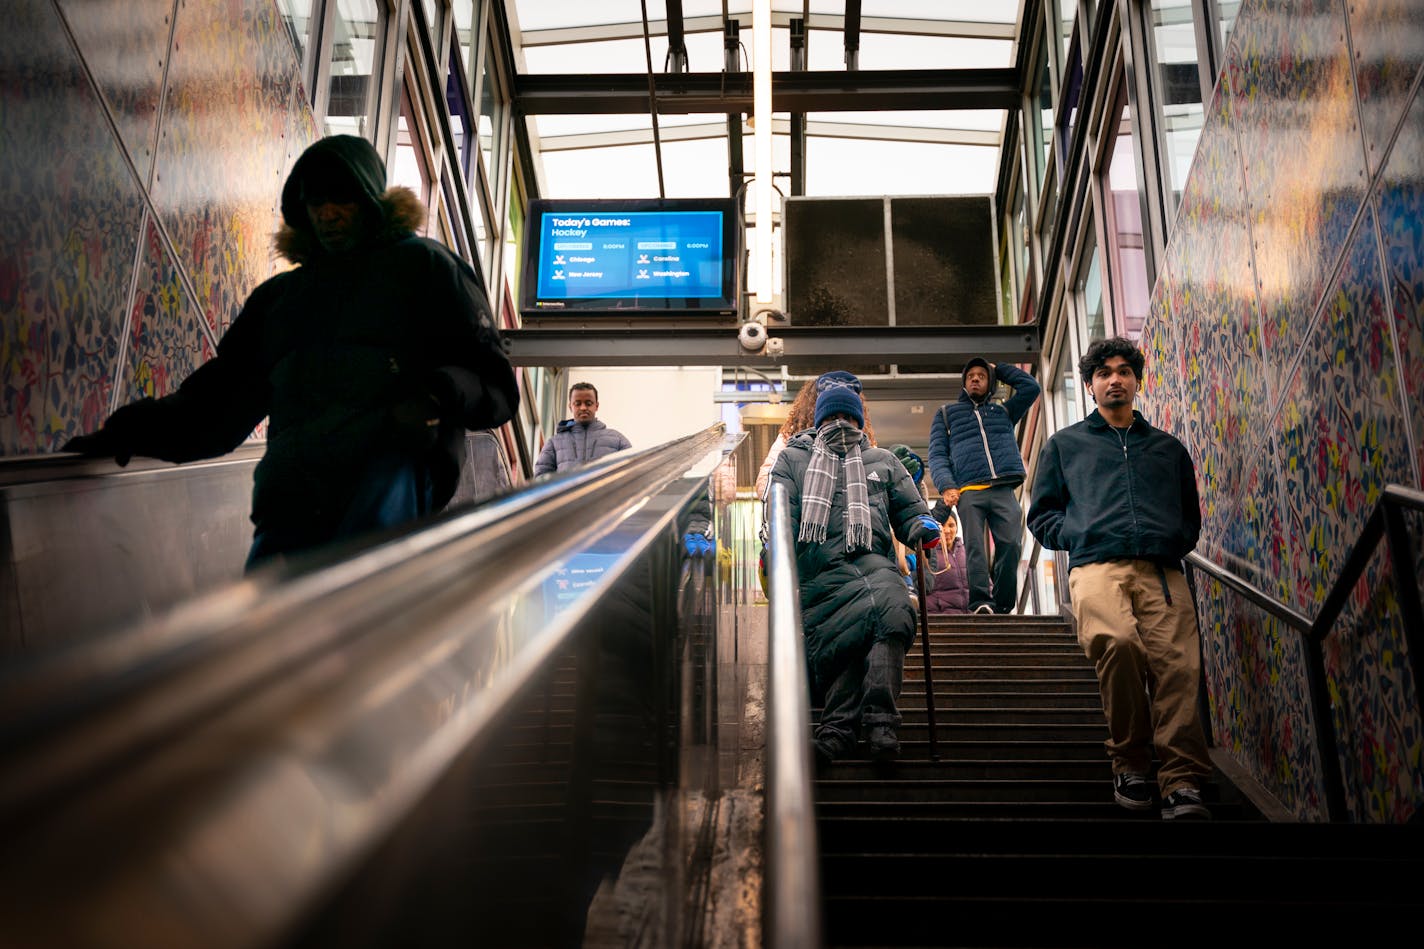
{"points": [[793, 893], [211, 650]]}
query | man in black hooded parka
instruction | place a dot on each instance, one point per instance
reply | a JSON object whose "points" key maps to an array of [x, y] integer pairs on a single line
{"points": [[370, 359]]}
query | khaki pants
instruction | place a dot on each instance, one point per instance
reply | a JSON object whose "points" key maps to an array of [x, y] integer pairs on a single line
{"points": [[1144, 641]]}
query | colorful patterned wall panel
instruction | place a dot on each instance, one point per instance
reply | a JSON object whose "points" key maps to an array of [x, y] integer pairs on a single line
{"points": [[1161, 382], [166, 339], [1214, 301], [71, 220], [222, 148], [1401, 222], [1254, 668], [1293, 105], [1387, 37], [125, 45], [1371, 687], [1341, 432]]}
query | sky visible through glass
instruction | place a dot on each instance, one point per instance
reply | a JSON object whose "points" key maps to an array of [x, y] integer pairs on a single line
{"points": [[909, 152]]}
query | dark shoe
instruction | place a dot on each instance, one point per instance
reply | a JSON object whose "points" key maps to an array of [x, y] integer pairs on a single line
{"points": [[1132, 790], [884, 743], [823, 754], [984, 608], [1184, 804]]}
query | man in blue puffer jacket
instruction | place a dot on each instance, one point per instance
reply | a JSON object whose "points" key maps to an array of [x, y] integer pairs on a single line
{"points": [[581, 438], [976, 465]]}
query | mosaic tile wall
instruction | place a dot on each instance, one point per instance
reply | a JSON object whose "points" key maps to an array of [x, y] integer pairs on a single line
{"points": [[1293, 367], [145, 146]]}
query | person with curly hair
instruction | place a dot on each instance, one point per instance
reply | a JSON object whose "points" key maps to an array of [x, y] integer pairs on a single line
{"points": [[802, 417]]}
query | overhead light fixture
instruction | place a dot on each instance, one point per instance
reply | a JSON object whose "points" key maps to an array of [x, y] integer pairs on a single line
{"points": [[761, 128]]}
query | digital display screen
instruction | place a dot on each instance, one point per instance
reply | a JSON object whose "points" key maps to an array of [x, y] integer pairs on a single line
{"points": [[664, 253], [652, 256]]}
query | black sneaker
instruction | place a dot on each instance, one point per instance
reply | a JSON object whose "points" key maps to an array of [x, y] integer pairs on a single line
{"points": [[983, 608], [884, 743], [1184, 804], [1132, 790]]}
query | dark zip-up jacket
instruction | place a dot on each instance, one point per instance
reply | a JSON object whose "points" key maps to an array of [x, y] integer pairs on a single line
{"points": [[850, 600], [972, 441], [1105, 494]]}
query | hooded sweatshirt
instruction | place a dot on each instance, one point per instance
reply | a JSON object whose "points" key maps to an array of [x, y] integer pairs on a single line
{"points": [[329, 350]]}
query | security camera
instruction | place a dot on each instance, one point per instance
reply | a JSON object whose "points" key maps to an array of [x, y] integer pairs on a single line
{"points": [[752, 336]]}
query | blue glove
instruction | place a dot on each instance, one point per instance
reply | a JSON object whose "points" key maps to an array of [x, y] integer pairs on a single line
{"points": [[929, 531], [910, 562], [696, 545]]}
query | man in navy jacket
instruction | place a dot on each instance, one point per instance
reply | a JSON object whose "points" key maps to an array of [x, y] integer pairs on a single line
{"points": [[1121, 498], [976, 465]]}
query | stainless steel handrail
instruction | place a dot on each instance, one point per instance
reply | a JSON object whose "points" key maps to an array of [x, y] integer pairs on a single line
{"points": [[793, 890], [1385, 522], [298, 592], [268, 704]]}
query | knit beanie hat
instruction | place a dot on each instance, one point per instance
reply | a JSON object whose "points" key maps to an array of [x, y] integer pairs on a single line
{"points": [[839, 399], [837, 378], [978, 361]]}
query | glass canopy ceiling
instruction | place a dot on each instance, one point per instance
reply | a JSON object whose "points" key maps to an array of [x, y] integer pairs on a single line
{"points": [[847, 153]]}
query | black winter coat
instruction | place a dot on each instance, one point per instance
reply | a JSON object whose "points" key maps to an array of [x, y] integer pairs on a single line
{"points": [[1102, 494], [327, 350], [849, 600]]}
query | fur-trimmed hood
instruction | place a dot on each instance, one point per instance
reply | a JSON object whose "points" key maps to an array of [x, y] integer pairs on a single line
{"points": [[401, 212], [353, 162]]}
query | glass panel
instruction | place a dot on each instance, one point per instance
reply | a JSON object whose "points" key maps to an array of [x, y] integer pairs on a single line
{"points": [[1019, 239], [1067, 11], [296, 17], [466, 13], [513, 233], [1090, 291], [1069, 92], [1228, 10], [412, 164], [837, 166], [1042, 117], [1006, 282], [356, 38], [1127, 260], [1176, 86], [1068, 407], [491, 126], [457, 101]]}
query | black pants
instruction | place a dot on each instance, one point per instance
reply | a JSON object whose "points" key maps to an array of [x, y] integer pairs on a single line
{"points": [[998, 510]]}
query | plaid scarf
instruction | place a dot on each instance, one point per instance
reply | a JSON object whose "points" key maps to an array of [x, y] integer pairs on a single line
{"points": [[836, 441]]}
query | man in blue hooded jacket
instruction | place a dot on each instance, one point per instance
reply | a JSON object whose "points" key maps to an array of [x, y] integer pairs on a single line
{"points": [[369, 359], [976, 465]]}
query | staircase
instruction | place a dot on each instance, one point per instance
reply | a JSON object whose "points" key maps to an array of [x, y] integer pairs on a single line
{"points": [[1012, 838]]}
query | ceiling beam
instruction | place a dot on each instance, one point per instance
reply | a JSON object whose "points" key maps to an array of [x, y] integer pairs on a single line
{"points": [[899, 26], [817, 346], [709, 130], [814, 91]]}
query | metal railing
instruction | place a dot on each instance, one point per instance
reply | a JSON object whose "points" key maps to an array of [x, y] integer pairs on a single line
{"points": [[793, 891], [1387, 519]]}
